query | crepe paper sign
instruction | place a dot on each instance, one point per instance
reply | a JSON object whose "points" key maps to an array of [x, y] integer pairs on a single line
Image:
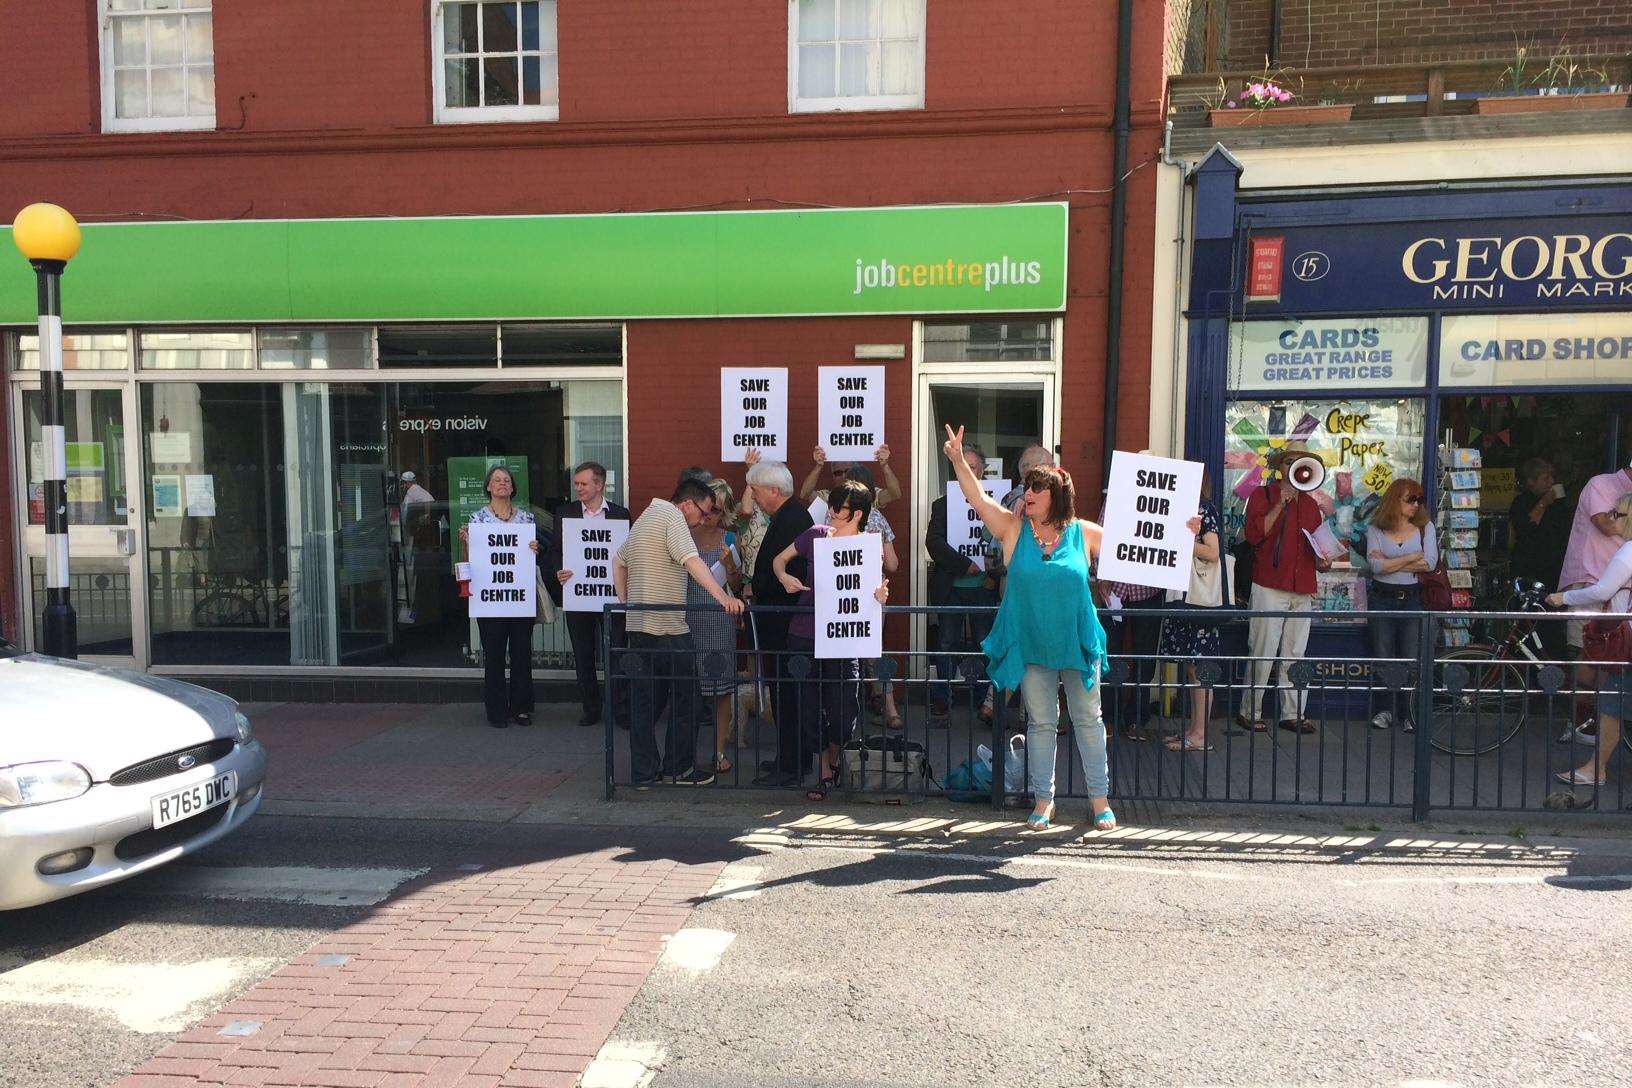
{"points": [[587, 548], [166, 495], [1378, 477], [965, 532], [200, 496], [850, 411], [170, 447], [503, 570], [1147, 542], [846, 572], [754, 413]]}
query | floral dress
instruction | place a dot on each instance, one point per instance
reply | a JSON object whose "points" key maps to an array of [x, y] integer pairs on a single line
{"points": [[1189, 638]]}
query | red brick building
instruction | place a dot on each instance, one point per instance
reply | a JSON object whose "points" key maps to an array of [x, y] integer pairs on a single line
{"points": [[459, 113]]}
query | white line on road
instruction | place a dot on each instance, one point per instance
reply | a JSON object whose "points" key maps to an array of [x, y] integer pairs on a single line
{"points": [[279, 883], [1527, 878], [696, 950], [623, 1065], [148, 997], [736, 881]]}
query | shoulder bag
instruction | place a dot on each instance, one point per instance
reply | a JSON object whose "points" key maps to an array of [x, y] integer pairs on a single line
{"points": [[1435, 585]]}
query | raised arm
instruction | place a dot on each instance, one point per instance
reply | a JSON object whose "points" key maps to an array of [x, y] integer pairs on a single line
{"points": [[807, 490], [891, 489], [1001, 523]]}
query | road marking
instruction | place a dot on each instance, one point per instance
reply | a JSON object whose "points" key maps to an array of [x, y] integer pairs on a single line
{"points": [[1528, 878], [279, 883], [623, 1065], [737, 880], [696, 950], [148, 998]]}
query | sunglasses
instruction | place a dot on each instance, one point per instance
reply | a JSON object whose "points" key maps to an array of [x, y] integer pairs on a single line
{"points": [[1414, 500]]}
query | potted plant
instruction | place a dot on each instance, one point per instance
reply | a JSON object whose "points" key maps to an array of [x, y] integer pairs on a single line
{"points": [[1266, 102], [1564, 83]]}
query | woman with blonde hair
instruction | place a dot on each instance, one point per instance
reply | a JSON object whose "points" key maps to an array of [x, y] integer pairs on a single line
{"points": [[1611, 593], [713, 631], [1400, 544]]}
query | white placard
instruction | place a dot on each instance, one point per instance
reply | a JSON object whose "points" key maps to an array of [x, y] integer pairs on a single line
{"points": [[1351, 353], [170, 447], [850, 411], [1536, 349], [1146, 540], [587, 548], [503, 570], [200, 496], [818, 511], [963, 524], [753, 413], [845, 573]]}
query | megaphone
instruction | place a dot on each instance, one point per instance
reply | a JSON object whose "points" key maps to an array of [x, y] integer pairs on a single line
{"points": [[1306, 473]]}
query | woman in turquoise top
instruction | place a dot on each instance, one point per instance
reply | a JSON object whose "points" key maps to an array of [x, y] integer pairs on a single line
{"points": [[1047, 633]]}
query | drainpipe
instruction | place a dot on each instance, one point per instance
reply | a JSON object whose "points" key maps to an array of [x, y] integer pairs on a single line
{"points": [[1272, 57], [1119, 216]]}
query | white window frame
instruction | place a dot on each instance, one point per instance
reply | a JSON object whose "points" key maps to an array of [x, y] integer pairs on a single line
{"points": [[444, 114], [849, 103], [111, 122]]}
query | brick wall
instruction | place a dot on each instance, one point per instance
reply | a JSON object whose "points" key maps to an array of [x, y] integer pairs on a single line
{"points": [[1324, 33]]}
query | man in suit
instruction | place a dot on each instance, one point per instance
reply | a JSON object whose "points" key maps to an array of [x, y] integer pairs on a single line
{"points": [[584, 628], [772, 486], [955, 581]]}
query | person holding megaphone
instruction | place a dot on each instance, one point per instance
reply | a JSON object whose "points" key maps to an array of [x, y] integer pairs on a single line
{"points": [[1284, 564]]}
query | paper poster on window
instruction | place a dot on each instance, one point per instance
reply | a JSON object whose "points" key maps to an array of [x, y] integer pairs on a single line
{"points": [[503, 570], [1146, 540], [166, 495], [850, 411], [753, 413], [964, 529], [587, 548], [846, 573], [200, 496], [170, 448]]}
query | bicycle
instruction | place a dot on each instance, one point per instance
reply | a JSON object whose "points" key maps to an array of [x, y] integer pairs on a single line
{"points": [[1490, 706]]}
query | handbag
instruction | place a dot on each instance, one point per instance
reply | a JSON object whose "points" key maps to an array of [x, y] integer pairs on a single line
{"points": [[1435, 585], [1207, 579], [1607, 642]]}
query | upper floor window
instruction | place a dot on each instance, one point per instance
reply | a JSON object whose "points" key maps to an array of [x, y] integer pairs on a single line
{"points": [[855, 55], [158, 65], [495, 61]]}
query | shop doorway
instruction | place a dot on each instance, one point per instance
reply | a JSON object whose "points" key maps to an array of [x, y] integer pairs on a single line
{"points": [[1577, 435], [103, 519]]}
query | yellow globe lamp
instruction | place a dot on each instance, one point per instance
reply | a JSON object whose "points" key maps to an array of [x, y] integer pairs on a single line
{"points": [[45, 232]]}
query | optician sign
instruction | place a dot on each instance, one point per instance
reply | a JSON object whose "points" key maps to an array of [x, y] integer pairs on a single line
{"points": [[1536, 349], [1579, 262], [1356, 353]]}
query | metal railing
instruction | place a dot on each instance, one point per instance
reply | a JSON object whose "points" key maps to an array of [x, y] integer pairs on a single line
{"points": [[1492, 730]]}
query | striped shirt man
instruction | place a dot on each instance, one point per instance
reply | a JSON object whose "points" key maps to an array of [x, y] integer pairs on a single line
{"points": [[655, 553]]}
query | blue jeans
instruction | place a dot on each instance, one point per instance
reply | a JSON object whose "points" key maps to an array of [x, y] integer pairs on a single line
{"points": [[670, 677], [1040, 688], [1393, 636], [949, 628]]}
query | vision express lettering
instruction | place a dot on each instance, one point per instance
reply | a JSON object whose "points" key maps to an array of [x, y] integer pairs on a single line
{"points": [[848, 585], [504, 588], [1157, 506], [886, 274]]}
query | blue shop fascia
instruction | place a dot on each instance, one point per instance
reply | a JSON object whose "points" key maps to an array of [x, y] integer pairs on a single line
{"points": [[1420, 332]]}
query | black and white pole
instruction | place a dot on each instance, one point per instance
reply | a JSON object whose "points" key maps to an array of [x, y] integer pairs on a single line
{"points": [[49, 238]]}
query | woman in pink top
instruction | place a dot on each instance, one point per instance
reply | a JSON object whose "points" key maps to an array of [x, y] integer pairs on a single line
{"points": [[1594, 538]]}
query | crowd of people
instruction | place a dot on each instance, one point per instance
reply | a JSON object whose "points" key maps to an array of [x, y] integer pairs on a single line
{"points": [[703, 552]]}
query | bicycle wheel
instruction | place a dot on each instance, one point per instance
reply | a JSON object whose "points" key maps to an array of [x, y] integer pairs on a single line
{"points": [[1480, 701], [225, 608]]}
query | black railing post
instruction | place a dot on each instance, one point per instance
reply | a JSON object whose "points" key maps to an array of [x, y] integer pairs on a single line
{"points": [[1000, 750], [608, 702], [1423, 711]]}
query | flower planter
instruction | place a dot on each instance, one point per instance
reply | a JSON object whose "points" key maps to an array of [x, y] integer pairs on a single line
{"points": [[1281, 115], [1550, 103]]}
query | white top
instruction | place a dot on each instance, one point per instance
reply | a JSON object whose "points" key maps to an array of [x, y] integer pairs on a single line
{"points": [[1615, 587], [1378, 541], [594, 515]]}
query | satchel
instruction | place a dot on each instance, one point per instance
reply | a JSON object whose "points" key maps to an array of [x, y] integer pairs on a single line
{"points": [[1435, 585], [1207, 579], [1607, 642]]}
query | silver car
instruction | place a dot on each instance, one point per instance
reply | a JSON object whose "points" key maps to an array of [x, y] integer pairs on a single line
{"points": [[106, 773]]}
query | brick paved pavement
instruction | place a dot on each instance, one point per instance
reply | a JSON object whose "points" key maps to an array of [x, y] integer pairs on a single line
{"points": [[512, 976]]}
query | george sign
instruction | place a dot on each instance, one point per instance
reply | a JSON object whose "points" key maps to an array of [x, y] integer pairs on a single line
{"points": [[964, 529], [587, 548], [946, 259], [503, 570], [1146, 541], [1537, 263], [1355, 353], [850, 411], [1264, 269], [1536, 349], [754, 413], [200, 496], [846, 571]]}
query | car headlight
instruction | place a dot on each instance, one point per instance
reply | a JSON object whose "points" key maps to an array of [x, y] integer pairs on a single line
{"points": [[39, 783], [246, 735]]}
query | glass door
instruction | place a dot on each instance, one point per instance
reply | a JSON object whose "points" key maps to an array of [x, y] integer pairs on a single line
{"points": [[103, 521]]}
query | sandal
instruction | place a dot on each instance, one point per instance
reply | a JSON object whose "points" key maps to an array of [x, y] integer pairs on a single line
{"points": [[1257, 725], [1576, 778], [820, 791], [1185, 744], [1105, 821], [1297, 725], [722, 763], [1135, 733], [1041, 821]]}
